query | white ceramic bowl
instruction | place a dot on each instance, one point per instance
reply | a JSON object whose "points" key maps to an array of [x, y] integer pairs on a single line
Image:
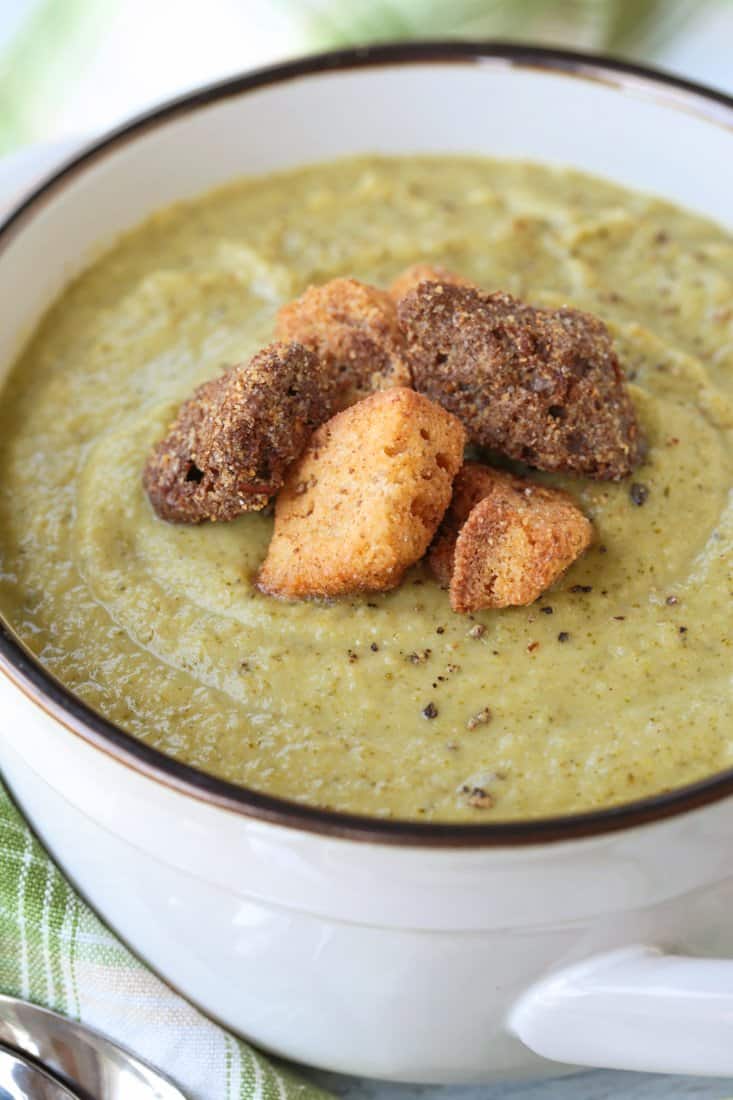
{"points": [[429, 953]]}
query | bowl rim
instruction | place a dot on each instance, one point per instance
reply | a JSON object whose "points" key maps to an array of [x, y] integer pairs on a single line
{"points": [[26, 673]]}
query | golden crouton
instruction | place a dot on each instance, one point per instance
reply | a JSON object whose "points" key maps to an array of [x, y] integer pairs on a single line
{"points": [[504, 540], [364, 501], [352, 328], [411, 277], [473, 482]]}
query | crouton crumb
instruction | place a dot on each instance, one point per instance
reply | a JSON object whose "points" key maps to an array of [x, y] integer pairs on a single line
{"points": [[379, 478], [505, 540]]}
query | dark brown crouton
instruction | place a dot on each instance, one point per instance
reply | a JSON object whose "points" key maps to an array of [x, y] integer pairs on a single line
{"points": [[365, 499], [504, 540], [411, 277], [542, 386], [353, 329], [227, 450]]}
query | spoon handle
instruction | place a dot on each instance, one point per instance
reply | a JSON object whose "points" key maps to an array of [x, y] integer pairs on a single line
{"points": [[89, 1063], [23, 1080]]}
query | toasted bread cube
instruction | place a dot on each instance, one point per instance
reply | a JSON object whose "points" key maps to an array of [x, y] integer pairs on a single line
{"points": [[352, 328], [231, 442], [473, 482], [543, 386], [364, 501], [504, 539], [411, 277]]}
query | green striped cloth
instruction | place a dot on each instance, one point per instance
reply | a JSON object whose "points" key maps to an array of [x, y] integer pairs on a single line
{"points": [[55, 952]]}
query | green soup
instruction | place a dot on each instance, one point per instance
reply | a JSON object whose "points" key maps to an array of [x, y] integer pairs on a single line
{"points": [[615, 685]]}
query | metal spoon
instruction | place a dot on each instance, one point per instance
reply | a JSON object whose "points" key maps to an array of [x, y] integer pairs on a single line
{"points": [[22, 1080], [88, 1063]]}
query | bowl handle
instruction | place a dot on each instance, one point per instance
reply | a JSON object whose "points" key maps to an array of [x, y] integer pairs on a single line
{"points": [[636, 1009]]}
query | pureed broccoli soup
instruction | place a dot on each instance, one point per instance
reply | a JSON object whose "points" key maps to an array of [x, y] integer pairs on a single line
{"points": [[614, 684]]}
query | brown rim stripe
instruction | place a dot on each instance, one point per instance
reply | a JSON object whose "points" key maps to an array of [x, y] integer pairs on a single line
{"points": [[28, 675]]}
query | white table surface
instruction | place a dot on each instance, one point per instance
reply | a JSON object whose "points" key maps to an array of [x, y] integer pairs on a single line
{"points": [[17, 175]]}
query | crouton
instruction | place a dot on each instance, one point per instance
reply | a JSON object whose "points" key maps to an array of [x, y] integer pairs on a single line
{"points": [[227, 450], [473, 482], [505, 540], [353, 329], [411, 277], [365, 499], [542, 386]]}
